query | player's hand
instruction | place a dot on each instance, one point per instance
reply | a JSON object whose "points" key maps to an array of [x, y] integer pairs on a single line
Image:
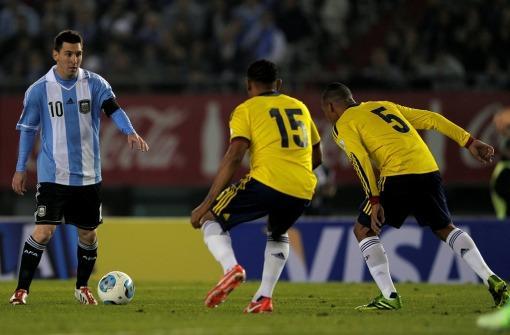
{"points": [[197, 215], [377, 218], [19, 182], [481, 151], [136, 142]]}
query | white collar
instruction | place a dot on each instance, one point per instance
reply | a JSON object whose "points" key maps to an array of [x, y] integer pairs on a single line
{"points": [[50, 76]]}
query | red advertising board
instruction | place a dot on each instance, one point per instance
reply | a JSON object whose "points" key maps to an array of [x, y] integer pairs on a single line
{"points": [[188, 135]]}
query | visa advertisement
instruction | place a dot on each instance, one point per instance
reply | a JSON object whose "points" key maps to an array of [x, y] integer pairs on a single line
{"points": [[322, 250], [326, 250]]}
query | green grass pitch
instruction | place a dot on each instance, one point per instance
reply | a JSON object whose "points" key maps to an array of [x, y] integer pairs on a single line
{"points": [[177, 308]]}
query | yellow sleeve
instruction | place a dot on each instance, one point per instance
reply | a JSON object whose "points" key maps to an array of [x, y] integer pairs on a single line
{"points": [[424, 119], [315, 134], [349, 140], [240, 123]]}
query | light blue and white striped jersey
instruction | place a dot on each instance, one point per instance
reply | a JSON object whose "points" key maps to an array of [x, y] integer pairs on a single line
{"points": [[69, 120]]}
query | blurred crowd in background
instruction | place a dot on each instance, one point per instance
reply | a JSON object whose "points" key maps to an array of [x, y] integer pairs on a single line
{"points": [[205, 45]]}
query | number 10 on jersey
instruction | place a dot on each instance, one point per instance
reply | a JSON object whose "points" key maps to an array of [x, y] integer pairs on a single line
{"points": [[290, 113]]}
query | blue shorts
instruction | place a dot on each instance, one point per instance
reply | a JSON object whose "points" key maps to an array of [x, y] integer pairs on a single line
{"points": [[249, 199], [420, 195]]}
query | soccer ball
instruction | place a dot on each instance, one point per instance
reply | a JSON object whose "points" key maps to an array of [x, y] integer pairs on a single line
{"points": [[116, 288]]}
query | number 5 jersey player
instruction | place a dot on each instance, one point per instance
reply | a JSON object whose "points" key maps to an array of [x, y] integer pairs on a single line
{"points": [[385, 134]]}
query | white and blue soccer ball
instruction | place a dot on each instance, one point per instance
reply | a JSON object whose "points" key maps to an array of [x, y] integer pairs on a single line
{"points": [[116, 288]]}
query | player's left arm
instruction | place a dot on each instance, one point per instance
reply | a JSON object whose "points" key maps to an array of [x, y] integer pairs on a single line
{"points": [[123, 123], [111, 108], [229, 165], [423, 119], [481, 151]]}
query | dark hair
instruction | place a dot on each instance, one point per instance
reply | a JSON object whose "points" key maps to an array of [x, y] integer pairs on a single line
{"points": [[337, 92], [262, 71], [69, 36]]}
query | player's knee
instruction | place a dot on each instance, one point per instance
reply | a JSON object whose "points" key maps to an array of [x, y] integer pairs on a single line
{"points": [[279, 236], [42, 233], [356, 229], [87, 236], [208, 217], [443, 233], [212, 228], [361, 232]]}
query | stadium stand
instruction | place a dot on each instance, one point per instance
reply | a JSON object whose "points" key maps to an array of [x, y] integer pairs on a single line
{"points": [[198, 45]]}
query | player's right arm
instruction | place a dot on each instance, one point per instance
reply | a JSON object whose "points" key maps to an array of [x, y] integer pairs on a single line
{"points": [[27, 127], [228, 166], [349, 140], [240, 139], [316, 146]]}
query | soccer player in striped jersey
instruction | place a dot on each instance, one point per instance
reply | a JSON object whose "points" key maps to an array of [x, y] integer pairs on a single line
{"points": [[64, 107], [284, 147], [386, 134]]}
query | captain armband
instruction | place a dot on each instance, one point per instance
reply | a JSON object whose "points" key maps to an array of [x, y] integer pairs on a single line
{"points": [[109, 106]]}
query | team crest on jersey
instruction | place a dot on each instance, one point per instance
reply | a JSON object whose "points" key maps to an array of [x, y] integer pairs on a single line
{"points": [[41, 211], [84, 106]]}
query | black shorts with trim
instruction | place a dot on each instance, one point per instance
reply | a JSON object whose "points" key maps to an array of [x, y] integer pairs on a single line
{"points": [[78, 205], [420, 195], [249, 199]]}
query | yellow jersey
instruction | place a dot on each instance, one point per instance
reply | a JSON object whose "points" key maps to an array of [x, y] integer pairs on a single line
{"points": [[385, 134], [281, 134]]}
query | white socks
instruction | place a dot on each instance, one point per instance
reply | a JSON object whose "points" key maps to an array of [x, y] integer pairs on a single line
{"points": [[463, 245], [275, 257], [219, 244], [377, 262]]}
